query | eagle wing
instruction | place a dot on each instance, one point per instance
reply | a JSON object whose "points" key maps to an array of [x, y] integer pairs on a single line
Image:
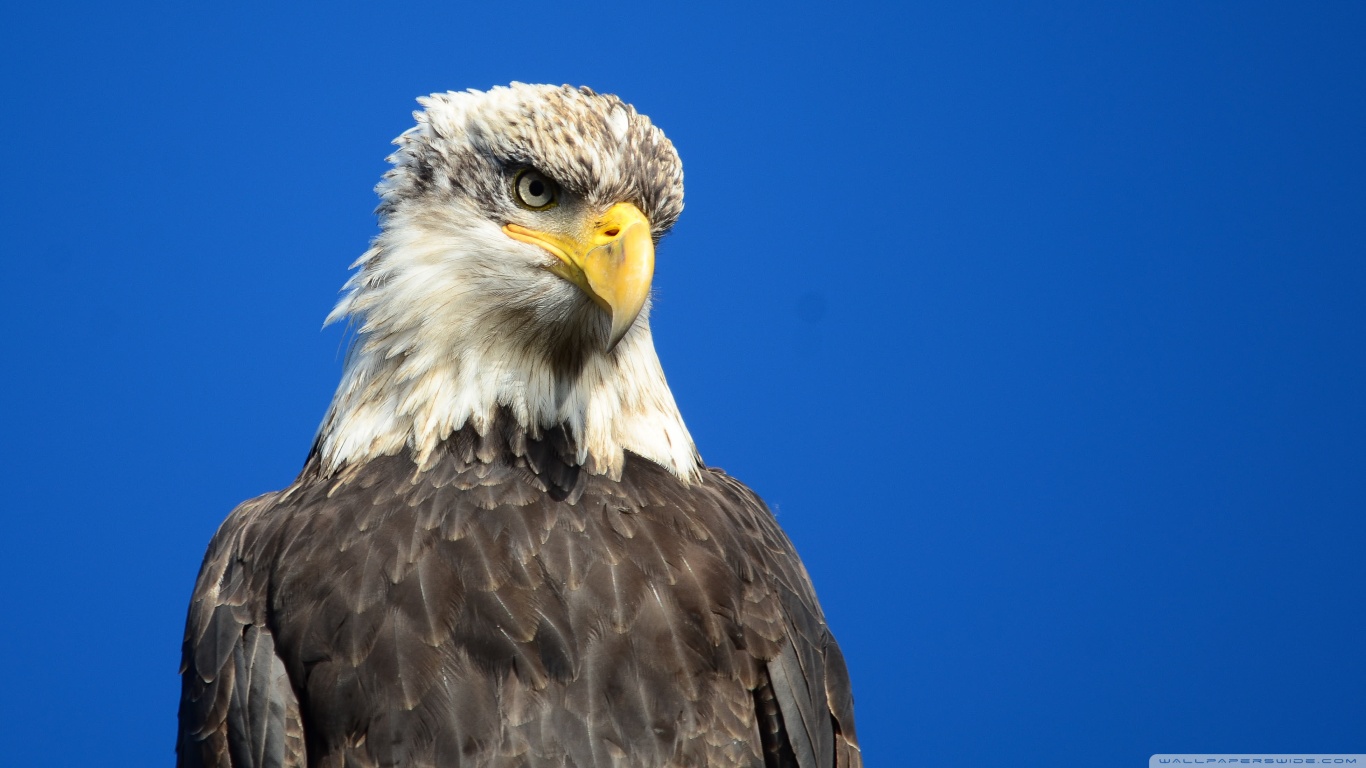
{"points": [[804, 702], [237, 707]]}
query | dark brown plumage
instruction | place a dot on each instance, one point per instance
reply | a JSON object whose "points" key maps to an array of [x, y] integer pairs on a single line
{"points": [[503, 608]]}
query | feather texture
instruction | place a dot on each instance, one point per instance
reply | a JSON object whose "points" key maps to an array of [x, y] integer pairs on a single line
{"points": [[390, 616]]}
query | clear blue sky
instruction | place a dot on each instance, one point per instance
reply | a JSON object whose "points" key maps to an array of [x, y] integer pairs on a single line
{"points": [[1042, 329]]}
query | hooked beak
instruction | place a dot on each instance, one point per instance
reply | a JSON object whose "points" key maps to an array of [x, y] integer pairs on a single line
{"points": [[612, 260]]}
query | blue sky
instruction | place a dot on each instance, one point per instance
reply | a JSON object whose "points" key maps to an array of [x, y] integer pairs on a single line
{"points": [[1042, 329]]}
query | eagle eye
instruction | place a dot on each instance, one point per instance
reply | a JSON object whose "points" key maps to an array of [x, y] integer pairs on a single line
{"points": [[535, 190]]}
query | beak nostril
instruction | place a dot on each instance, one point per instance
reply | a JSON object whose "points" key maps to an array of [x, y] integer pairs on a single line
{"points": [[613, 232]]}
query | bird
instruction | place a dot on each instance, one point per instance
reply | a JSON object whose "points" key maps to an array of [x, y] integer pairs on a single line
{"points": [[504, 548]]}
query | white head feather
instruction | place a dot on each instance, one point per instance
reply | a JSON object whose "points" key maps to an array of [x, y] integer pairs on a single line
{"points": [[458, 322]]}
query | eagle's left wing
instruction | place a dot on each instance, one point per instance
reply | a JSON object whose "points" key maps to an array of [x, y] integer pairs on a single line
{"points": [[804, 702]]}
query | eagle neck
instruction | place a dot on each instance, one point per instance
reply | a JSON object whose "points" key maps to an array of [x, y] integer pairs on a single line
{"points": [[392, 401]]}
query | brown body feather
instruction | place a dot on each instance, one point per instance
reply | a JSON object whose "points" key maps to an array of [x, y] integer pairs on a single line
{"points": [[503, 607]]}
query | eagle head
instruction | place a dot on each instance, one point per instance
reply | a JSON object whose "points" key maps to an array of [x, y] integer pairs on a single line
{"points": [[512, 277]]}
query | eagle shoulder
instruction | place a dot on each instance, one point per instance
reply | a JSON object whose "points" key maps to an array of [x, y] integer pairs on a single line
{"points": [[805, 691], [237, 707]]}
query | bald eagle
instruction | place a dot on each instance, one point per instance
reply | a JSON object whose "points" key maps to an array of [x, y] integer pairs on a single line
{"points": [[503, 548]]}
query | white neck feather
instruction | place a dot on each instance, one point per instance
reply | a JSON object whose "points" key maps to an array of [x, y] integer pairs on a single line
{"points": [[430, 358]]}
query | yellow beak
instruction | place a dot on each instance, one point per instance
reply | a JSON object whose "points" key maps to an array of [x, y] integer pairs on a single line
{"points": [[612, 260]]}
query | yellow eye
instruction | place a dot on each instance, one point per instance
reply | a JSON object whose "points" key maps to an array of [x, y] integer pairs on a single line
{"points": [[535, 190]]}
